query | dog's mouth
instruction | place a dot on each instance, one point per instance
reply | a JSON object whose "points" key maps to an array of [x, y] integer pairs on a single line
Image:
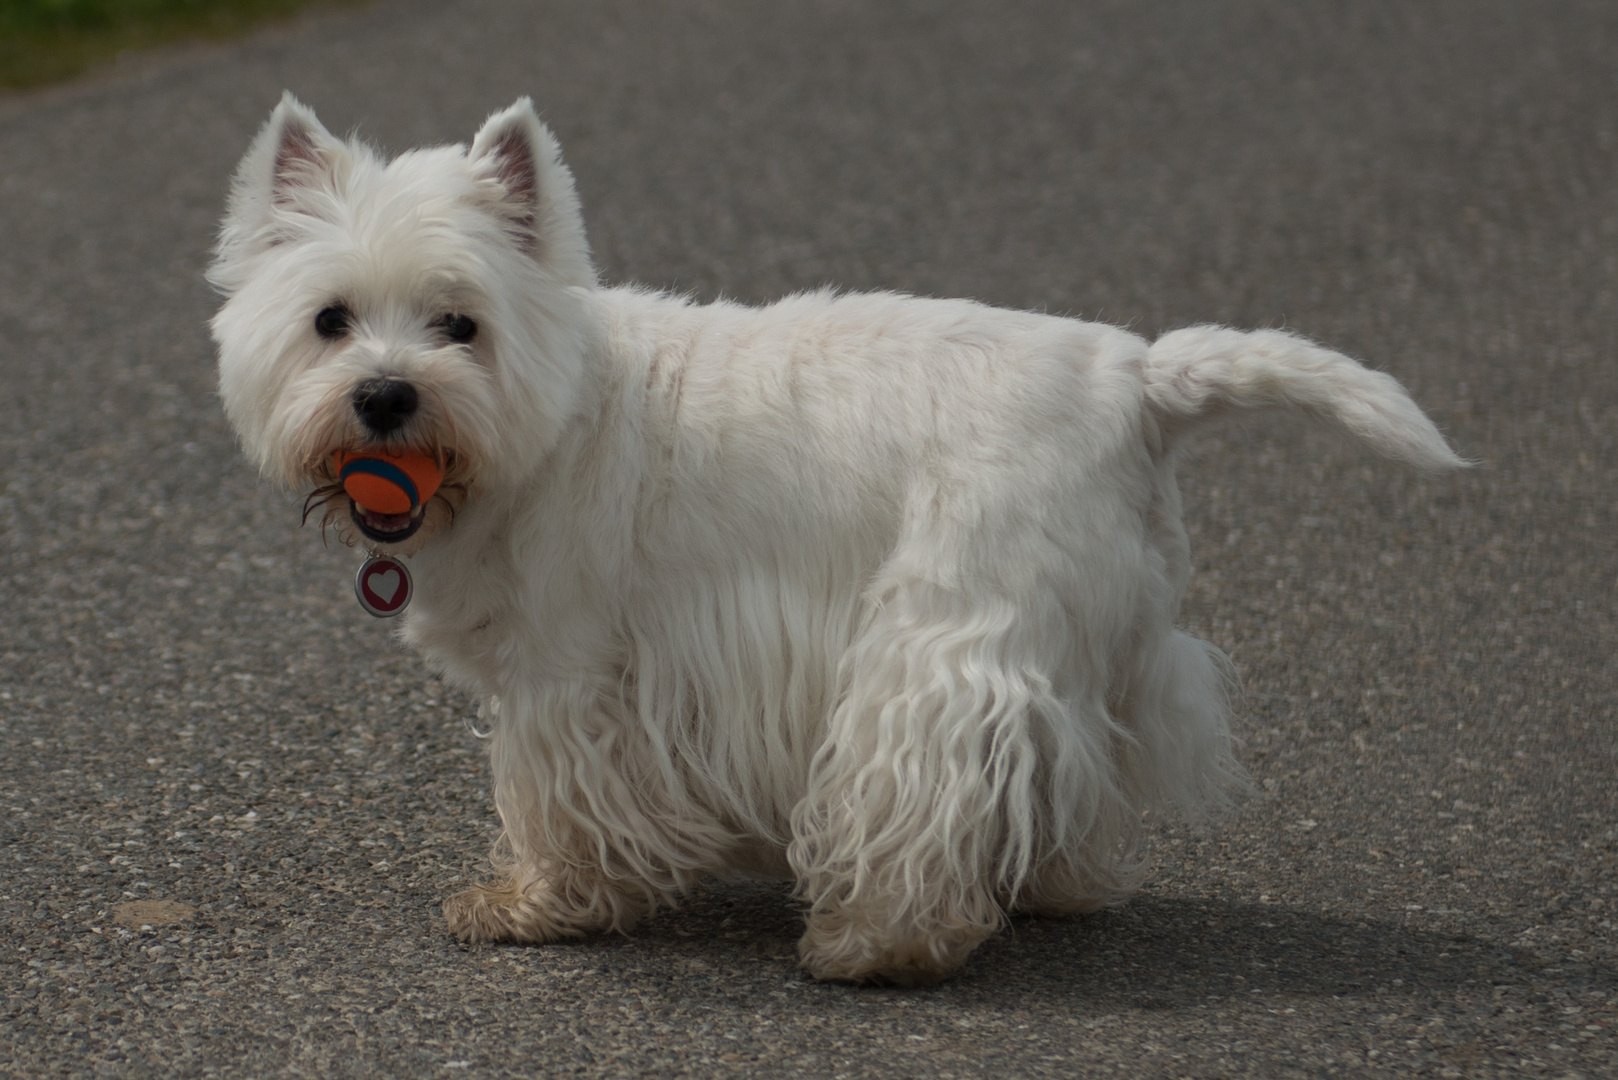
{"points": [[432, 507], [386, 528]]}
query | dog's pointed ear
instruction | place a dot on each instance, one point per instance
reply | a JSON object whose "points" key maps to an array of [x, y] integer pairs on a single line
{"points": [[292, 154], [531, 192], [301, 152], [293, 151]]}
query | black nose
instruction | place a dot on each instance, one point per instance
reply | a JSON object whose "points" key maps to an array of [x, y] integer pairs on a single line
{"points": [[384, 404]]}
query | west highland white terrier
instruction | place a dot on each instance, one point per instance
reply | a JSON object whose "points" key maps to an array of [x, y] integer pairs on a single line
{"points": [[872, 592]]}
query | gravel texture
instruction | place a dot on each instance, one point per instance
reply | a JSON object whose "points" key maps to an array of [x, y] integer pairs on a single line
{"points": [[230, 807]]}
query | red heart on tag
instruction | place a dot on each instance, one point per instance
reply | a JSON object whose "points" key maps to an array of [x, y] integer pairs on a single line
{"points": [[382, 586]]}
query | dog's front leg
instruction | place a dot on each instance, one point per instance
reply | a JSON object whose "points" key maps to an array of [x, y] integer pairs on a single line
{"points": [[579, 852], [533, 905]]}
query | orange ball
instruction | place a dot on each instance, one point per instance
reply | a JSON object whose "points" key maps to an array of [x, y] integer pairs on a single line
{"points": [[388, 483]]}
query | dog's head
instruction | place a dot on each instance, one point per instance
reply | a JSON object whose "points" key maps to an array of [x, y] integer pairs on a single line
{"points": [[430, 303]]}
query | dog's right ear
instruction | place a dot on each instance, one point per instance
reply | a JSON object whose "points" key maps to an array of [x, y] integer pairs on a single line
{"points": [[293, 155]]}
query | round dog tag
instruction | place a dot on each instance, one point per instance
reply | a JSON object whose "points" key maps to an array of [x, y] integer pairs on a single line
{"points": [[383, 586]]}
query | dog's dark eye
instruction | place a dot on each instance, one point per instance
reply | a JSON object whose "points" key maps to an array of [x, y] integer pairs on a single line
{"points": [[459, 328], [331, 322]]}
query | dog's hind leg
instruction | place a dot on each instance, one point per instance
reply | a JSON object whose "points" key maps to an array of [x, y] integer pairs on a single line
{"points": [[921, 804], [1171, 751], [1070, 883]]}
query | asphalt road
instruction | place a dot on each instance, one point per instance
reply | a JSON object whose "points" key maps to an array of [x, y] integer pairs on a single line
{"points": [[230, 807]]}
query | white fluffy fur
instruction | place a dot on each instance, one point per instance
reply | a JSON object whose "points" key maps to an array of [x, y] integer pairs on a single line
{"points": [[874, 591]]}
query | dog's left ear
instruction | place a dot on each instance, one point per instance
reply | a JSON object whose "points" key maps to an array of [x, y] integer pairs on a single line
{"points": [[531, 191]]}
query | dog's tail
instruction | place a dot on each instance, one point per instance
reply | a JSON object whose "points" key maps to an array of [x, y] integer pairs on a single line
{"points": [[1205, 371]]}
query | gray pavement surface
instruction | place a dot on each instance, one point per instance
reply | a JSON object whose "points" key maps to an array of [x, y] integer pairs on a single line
{"points": [[230, 807]]}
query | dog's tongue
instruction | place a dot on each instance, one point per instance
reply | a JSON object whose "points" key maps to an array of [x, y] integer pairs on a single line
{"points": [[384, 523]]}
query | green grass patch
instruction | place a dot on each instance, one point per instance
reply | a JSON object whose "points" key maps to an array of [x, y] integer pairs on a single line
{"points": [[44, 41]]}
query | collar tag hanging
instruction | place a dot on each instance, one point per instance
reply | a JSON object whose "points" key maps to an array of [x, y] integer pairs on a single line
{"points": [[383, 586]]}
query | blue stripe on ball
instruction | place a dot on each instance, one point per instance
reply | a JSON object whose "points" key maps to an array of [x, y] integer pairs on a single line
{"points": [[385, 470]]}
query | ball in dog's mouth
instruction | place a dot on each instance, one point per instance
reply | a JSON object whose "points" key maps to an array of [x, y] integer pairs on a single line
{"points": [[386, 528], [387, 490]]}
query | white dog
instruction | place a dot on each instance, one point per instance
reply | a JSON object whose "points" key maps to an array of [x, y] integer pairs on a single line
{"points": [[870, 591]]}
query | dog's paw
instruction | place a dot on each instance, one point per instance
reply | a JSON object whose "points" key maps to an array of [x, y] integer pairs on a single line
{"points": [[504, 911], [909, 968], [834, 949]]}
